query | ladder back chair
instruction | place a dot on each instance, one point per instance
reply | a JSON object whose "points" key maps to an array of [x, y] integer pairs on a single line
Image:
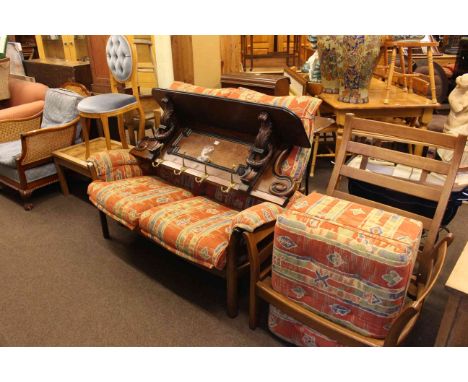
{"points": [[122, 62], [432, 252]]}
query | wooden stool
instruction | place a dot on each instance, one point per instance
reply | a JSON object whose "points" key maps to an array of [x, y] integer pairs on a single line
{"points": [[122, 62], [408, 75]]}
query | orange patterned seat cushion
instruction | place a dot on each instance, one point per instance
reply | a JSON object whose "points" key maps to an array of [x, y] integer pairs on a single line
{"points": [[197, 229], [125, 199]]}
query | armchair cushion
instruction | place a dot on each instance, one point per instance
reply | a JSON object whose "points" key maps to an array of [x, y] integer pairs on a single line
{"points": [[60, 108], [23, 92], [197, 229], [21, 111], [9, 151], [346, 262], [31, 174], [115, 164], [254, 217], [126, 199]]}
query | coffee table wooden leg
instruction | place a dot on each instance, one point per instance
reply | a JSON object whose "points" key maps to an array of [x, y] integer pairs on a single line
{"points": [[62, 179], [85, 123]]}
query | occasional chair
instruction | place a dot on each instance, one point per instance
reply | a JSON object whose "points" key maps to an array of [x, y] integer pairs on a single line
{"points": [[122, 62], [346, 270], [26, 144]]}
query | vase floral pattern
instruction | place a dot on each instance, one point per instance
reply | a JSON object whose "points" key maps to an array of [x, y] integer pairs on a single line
{"points": [[329, 50], [359, 56]]}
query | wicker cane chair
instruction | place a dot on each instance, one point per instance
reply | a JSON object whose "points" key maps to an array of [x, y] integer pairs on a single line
{"points": [[26, 162], [430, 258]]}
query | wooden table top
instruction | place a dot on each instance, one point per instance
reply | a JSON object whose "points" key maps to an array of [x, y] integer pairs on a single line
{"points": [[76, 153], [457, 281], [399, 99]]}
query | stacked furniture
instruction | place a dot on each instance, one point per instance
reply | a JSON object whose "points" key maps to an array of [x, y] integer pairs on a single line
{"points": [[349, 270], [183, 193]]}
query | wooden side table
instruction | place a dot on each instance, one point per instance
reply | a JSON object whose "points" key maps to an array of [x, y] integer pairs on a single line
{"points": [[453, 329], [403, 105], [74, 158]]}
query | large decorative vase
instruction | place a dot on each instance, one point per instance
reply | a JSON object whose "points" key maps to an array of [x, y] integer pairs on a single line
{"points": [[359, 57], [329, 48]]}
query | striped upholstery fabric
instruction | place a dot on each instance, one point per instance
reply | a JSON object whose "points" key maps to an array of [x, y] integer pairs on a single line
{"points": [[189, 88], [197, 229], [347, 262], [293, 331], [254, 217], [115, 164], [125, 200]]}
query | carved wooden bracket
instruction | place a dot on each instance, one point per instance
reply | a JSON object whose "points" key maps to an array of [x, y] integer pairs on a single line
{"points": [[149, 148], [261, 152], [283, 185], [168, 121]]}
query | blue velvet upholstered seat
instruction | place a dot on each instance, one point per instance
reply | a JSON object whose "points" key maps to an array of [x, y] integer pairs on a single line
{"points": [[105, 103]]}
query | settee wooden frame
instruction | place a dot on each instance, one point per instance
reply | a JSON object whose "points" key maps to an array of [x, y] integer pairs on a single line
{"points": [[430, 258]]}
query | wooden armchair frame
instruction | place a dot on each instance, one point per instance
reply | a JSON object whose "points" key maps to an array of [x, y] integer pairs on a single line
{"points": [[37, 146], [430, 258]]}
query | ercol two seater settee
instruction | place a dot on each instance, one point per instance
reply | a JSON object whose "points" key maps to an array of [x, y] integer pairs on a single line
{"points": [[200, 209]]}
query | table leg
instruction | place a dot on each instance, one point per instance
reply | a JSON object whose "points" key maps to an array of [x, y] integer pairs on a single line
{"points": [[251, 52], [424, 121], [62, 179], [85, 123]]}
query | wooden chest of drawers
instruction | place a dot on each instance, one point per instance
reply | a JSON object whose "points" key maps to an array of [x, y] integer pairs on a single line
{"points": [[55, 72], [263, 83]]}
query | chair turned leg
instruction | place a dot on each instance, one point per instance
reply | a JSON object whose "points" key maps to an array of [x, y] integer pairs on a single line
{"points": [[390, 76], [314, 154], [25, 197], [104, 225]]}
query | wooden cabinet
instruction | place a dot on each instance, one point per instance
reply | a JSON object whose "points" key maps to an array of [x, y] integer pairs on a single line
{"points": [[65, 47]]}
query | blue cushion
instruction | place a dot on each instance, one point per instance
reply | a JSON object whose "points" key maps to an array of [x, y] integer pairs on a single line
{"points": [[104, 103], [32, 174], [9, 151]]}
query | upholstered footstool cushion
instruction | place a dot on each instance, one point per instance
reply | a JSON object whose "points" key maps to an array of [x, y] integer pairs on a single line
{"points": [[196, 229], [344, 261], [125, 199]]}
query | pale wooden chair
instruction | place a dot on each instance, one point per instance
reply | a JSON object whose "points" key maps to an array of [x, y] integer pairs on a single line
{"points": [[407, 73], [122, 62], [432, 254]]}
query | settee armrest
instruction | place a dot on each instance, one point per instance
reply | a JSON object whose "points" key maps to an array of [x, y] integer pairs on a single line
{"points": [[113, 165], [11, 129], [37, 145], [256, 216]]}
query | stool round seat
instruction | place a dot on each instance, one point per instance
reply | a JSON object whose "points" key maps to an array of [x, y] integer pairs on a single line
{"points": [[105, 103]]}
